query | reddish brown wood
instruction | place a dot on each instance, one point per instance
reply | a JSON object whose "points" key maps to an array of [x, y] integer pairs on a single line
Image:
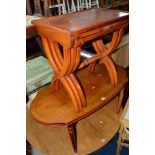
{"points": [[76, 28], [56, 108], [63, 71], [100, 48], [54, 139], [73, 135], [111, 69], [88, 88]]}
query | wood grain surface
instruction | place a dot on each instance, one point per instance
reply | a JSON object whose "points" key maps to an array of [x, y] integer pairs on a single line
{"points": [[67, 29], [56, 108], [93, 132]]}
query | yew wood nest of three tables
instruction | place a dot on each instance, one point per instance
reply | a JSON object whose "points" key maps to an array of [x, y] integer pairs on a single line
{"points": [[78, 88]]}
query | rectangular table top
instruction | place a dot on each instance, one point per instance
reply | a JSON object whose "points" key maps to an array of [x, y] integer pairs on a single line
{"points": [[82, 20], [64, 28]]}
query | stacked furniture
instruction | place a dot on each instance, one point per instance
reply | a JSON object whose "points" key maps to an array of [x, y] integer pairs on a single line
{"points": [[79, 89]]}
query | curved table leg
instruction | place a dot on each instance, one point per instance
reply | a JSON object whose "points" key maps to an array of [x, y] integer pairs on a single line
{"points": [[64, 68], [111, 70], [106, 59]]}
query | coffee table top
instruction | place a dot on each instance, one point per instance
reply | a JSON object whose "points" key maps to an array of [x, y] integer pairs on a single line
{"points": [[56, 108]]}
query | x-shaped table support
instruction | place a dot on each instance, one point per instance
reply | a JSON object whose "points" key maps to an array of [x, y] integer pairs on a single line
{"points": [[65, 65]]}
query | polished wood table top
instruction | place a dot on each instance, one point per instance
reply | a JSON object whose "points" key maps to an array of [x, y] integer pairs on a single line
{"points": [[69, 26], [80, 21]]}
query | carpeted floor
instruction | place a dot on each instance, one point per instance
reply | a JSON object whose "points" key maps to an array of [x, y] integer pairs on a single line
{"points": [[110, 148]]}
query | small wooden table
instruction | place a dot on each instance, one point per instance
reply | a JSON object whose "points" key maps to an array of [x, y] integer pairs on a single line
{"points": [[89, 85]]}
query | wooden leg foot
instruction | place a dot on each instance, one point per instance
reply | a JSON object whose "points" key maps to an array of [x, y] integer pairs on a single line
{"points": [[73, 136], [120, 98]]}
